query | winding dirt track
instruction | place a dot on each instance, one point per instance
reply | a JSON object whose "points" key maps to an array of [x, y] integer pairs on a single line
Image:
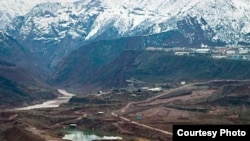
{"points": [[142, 125], [124, 109], [145, 101]]}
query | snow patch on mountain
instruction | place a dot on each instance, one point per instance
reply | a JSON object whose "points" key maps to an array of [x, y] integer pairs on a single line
{"points": [[9, 9], [88, 20], [52, 30]]}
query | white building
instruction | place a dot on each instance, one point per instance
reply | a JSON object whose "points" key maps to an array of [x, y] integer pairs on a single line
{"points": [[231, 52], [181, 53], [156, 89], [203, 50], [243, 51], [219, 57]]}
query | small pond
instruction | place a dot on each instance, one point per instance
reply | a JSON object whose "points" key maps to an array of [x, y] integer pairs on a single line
{"points": [[84, 135]]}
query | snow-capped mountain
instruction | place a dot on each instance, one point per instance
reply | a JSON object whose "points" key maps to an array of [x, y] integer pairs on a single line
{"points": [[89, 19], [55, 29], [12, 8]]}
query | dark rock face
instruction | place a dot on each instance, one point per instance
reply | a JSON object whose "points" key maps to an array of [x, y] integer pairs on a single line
{"points": [[191, 32], [191, 29], [197, 32]]}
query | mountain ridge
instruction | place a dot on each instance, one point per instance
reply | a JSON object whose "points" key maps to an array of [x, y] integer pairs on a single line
{"points": [[20, 87], [134, 18], [150, 67], [51, 31], [12, 8]]}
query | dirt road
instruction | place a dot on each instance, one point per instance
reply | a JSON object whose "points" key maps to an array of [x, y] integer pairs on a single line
{"points": [[142, 125], [124, 109]]}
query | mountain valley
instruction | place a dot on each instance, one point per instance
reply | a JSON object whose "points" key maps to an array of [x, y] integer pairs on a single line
{"points": [[19, 87]]}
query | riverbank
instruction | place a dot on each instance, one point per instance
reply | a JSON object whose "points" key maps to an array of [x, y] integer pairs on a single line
{"points": [[66, 96]]}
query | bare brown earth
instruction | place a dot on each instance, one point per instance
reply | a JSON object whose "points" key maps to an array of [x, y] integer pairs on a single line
{"points": [[214, 102], [193, 103]]}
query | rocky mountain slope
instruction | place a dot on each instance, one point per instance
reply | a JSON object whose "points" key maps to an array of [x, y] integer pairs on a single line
{"points": [[9, 9], [96, 66], [90, 34], [19, 87], [13, 52], [53, 30], [91, 19]]}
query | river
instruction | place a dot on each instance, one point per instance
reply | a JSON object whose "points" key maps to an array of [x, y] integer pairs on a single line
{"points": [[51, 103], [73, 135]]}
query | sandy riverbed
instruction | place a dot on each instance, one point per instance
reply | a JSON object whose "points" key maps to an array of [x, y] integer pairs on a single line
{"points": [[51, 103]]}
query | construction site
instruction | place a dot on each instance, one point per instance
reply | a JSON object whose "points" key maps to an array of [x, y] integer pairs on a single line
{"points": [[132, 115]]}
